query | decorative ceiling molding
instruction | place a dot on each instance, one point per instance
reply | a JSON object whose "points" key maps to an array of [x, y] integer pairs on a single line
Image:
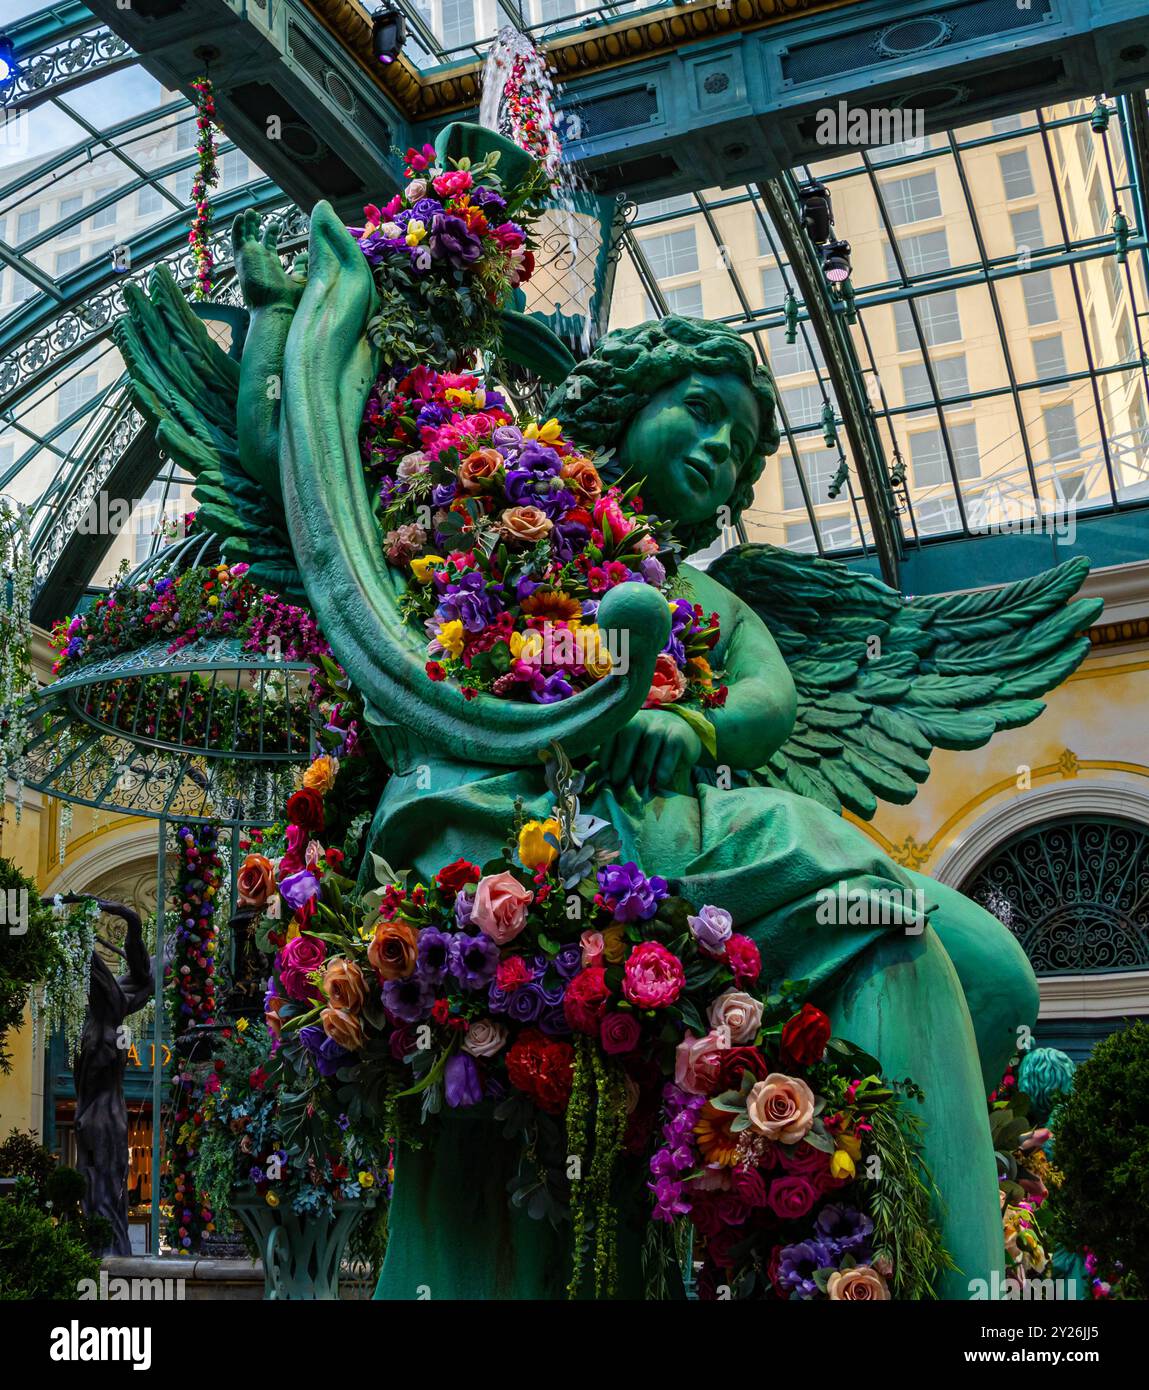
{"points": [[1118, 995], [598, 48]]}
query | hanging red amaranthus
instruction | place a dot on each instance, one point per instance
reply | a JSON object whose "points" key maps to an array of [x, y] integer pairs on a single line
{"points": [[207, 175], [528, 113]]}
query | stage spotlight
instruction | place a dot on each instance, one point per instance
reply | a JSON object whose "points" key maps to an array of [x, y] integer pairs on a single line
{"points": [[8, 65], [388, 34], [836, 261], [817, 211]]}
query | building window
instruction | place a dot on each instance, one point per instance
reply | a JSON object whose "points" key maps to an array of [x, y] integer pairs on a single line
{"points": [[912, 199], [949, 373], [234, 168], [818, 468], [673, 253], [27, 225], [800, 536], [1026, 227], [1126, 346], [1049, 359], [928, 453], [22, 288], [939, 318], [1002, 125], [458, 23], [185, 134], [149, 201], [660, 207], [69, 207], [1099, 207], [773, 287], [686, 300], [1015, 174], [788, 358], [1061, 432], [765, 248], [1113, 282], [73, 395], [1040, 300], [1083, 134], [922, 254], [104, 217], [936, 515], [67, 261], [802, 405]]}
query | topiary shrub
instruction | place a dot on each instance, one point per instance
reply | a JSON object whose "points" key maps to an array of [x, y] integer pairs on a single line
{"points": [[23, 1156], [26, 957], [38, 1258], [1103, 1150]]}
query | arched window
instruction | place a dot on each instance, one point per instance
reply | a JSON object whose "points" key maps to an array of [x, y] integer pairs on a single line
{"points": [[1075, 893]]}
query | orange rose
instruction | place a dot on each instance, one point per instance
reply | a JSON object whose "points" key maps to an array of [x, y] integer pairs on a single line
{"points": [[525, 524], [581, 476], [271, 1016], [342, 1028], [320, 776], [862, 1284], [478, 468], [781, 1108], [344, 985], [668, 684], [393, 950], [256, 881]]}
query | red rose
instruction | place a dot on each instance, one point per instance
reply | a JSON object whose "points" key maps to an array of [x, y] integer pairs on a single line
{"points": [[305, 809], [334, 858], [744, 959], [542, 1069], [620, 1033], [804, 1037], [511, 973], [734, 1061], [586, 999], [791, 1197], [748, 1185], [458, 875], [439, 1011]]}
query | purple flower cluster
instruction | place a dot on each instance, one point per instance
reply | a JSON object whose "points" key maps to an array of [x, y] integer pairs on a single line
{"points": [[629, 894], [538, 1000], [839, 1231], [677, 1155]]}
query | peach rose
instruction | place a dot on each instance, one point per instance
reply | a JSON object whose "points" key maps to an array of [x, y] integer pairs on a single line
{"points": [[781, 1108], [271, 1015], [342, 1028], [697, 1062], [500, 908], [668, 684], [862, 1284], [592, 948], [344, 985], [478, 468], [256, 881], [738, 1014], [320, 776], [581, 476], [392, 952], [525, 524], [484, 1037]]}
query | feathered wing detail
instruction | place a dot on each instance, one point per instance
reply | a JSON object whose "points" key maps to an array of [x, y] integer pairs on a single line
{"points": [[188, 388], [883, 681]]}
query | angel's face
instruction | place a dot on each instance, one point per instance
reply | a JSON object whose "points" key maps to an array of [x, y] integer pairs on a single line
{"points": [[690, 442]]}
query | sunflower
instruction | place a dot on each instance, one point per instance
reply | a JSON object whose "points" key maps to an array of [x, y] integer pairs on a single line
{"points": [[716, 1143], [553, 605]]}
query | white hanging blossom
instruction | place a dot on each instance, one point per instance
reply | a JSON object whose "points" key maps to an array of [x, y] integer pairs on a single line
{"points": [[17, 575], [65, 827], [61, 1002]]}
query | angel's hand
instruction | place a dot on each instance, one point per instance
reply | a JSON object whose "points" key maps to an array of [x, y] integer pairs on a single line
{"points": [[262, 278], [655, 751]]}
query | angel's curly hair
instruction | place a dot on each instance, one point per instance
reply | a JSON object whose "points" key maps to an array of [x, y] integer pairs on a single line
{"points": [[632, 364]]}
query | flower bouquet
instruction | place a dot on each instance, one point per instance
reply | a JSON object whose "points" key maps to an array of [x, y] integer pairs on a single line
{"points": [[446, 252], [509, 537], [576, 995]]}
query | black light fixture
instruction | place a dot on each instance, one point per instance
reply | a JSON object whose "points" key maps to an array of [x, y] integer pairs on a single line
{"points": [[388, 34], [836, 261], [9, 68], [817, 211]]}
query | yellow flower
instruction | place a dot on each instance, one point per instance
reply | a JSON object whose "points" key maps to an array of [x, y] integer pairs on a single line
{"points": [[530, 645], [213, 601], [451, 636], [852, 1145], [534, 850], [596, 656], [614, 944], [272, 1199], [241, 1024], [320, 776], [841, 1165], [424, 567], [545, 434], [416, 231], [366, 1179], [459, 395]]}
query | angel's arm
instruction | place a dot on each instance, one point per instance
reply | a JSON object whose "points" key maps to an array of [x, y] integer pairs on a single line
{"points": [[760, 707], [328, 372]]}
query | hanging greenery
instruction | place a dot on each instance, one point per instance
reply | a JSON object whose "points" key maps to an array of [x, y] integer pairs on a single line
{"points": [[29, 949], [17, 572], [60, 1003], [206, 178]]}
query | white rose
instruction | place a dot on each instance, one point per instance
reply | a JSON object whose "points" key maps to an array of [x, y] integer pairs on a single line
{"points": [[736, 1013], [410, 464], [390, 230], [484, 1037], [416, 189]]}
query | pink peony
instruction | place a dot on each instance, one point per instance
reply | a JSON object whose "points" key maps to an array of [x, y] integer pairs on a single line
{"points": [[453, 182], [500, 909], [744, 959], [653, 977], [300, 957]]}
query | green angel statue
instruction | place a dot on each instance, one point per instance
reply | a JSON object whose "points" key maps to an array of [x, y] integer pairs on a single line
{"points": [[839, 689]]}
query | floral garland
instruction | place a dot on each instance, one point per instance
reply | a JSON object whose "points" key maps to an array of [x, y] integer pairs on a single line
{"points": [[579, 1025], [192, 1002], [513, 537], [206, 177], [528, 117], [17, 575]]}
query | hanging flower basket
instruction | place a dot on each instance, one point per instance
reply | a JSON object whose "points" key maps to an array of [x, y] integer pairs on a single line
{"points": [[301, 1253]]}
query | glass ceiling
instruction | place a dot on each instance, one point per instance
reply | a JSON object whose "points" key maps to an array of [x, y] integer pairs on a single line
{"points": [[998, 343]]}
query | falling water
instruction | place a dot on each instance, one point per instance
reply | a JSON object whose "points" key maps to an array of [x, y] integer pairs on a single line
{"points": [[515, 63]]}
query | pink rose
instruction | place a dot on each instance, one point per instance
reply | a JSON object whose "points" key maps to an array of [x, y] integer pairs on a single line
{"points": [[668, 683], [619, 1033], [804, 1159], [500, 909], [732, 1209], [697, 1062], [781, 1107], [744, 959], [606, 509], [593, 945], [652, 977], [748, 1184], [791, 1197], [300, 957], [737, 1015], [453, 182]]}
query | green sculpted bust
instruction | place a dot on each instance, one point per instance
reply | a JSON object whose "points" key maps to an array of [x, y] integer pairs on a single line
{"points": [[812, 724]]}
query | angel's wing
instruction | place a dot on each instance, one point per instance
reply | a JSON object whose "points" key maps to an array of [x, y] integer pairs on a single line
{"points": [[188, 387], [882, 681]]}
